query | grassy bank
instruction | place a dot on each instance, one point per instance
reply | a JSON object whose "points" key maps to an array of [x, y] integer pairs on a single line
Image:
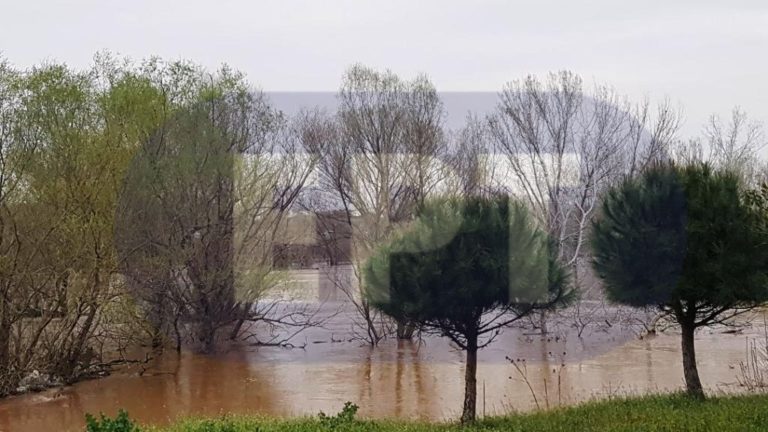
{"points": [[655, 413]]}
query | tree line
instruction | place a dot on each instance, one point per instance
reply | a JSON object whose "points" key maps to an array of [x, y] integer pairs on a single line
{"points": [[689, 240], [137, 201]]}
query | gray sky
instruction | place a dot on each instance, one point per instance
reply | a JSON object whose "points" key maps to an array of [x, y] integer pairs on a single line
{"points": [[705, 56]]}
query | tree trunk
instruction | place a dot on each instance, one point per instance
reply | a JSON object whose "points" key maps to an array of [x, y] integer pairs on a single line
{"points": [[243, 311], [7, 382], [373, 335], [5, 336], [206, 335], [77, 348], [405, 330], [157, 318], [470, 382], [691, 372], [177, 333], [157, 338]]}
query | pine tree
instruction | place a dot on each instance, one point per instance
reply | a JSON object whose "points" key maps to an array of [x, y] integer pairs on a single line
{"points": [[687, 240], [465, 270]]}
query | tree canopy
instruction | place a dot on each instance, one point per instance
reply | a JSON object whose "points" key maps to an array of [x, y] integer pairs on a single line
{"points": [[688, 240]]}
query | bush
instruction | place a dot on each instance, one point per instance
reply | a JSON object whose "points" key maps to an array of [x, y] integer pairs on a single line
{"points": [[345, 416], [121, 423]]}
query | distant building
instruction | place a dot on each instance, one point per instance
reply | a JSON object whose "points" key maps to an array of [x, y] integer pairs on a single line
{"points": [[309, 240]]}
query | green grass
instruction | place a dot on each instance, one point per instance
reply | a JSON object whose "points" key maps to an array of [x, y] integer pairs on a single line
{"points": [[653, 413]]}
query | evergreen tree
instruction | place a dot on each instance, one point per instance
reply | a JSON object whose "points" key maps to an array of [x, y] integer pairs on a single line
{"points": [[464, 270], [687, 240]]}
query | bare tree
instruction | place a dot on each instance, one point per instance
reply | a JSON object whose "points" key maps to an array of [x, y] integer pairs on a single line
{"points": [[560, 148], [383, 160], [470, 160], [735, 146]]}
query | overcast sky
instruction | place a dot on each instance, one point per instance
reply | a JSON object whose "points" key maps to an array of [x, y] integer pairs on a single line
{"points": [[705, 56]]}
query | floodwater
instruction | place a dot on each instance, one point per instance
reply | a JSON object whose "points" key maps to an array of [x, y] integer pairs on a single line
{"points": [[396, 379]]}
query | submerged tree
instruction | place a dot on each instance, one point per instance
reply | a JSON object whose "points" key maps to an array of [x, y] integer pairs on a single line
{"points": [[200, 207], [687, 240], [464, 270], [560, 145], [379, 159], [66, 137]]}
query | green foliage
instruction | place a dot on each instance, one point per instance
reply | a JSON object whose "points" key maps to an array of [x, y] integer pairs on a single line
{"points": [[641, 227], [222, 425], [651, 413], [689, 241], [121, 423], [462, 259], [685, 239], [67, 144], [344, 417]]}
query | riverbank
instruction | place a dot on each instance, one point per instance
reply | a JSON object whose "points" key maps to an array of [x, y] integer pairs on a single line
{"points": [[652, 413]]}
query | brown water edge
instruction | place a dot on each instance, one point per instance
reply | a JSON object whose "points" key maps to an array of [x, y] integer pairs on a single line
{"points": [[404, 380]]}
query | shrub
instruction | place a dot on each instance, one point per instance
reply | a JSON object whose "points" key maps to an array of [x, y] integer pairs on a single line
{"points": [[345, 416], [121, 423]]}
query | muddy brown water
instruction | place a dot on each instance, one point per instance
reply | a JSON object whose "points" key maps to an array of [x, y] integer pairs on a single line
{"points": [[403, 380]]}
